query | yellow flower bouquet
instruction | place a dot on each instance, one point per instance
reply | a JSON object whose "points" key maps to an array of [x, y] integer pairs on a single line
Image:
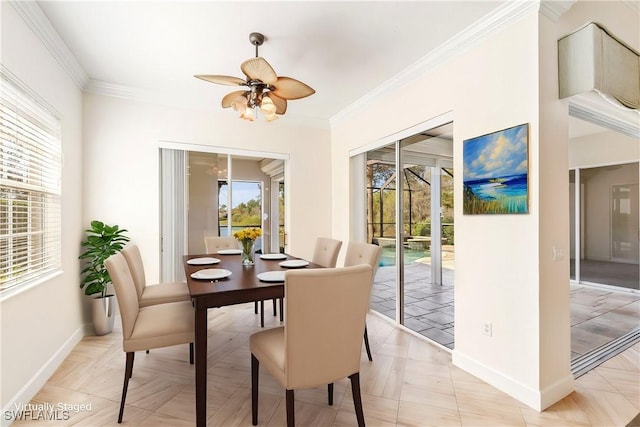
{"points": [[247, 237]]}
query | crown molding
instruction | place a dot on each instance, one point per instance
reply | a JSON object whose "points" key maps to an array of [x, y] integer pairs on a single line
{"points": [[592, 107], [492, 23], [99, 87], [554, 9], [33, 16]]}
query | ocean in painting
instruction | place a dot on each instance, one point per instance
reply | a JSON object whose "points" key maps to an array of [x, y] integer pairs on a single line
{"points": [[498, 188]]}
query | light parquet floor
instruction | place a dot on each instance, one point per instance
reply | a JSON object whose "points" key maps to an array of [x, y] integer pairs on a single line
{"points": [[409, 383]]}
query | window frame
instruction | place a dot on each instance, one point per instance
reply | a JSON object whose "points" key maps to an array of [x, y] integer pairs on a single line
{"points": [[31, 169]]}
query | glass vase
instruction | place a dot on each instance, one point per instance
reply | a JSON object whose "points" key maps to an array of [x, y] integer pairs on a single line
{"points": [[247, 253]]}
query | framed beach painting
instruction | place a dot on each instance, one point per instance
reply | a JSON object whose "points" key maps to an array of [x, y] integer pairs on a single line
{"points": [[496, 171]]}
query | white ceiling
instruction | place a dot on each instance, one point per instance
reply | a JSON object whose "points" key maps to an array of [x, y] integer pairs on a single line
{"points": [[341, 49]]}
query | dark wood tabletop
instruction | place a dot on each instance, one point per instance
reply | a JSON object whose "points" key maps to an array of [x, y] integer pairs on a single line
{"points": [[241, 286]]}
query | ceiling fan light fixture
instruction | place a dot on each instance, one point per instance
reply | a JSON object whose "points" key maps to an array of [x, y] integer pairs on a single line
{"points": [[247, 115], [264, 89], [239, 104], [267, 106]]}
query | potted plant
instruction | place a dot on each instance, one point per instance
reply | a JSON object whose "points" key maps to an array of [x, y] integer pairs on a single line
{"points": [[102, 241]]}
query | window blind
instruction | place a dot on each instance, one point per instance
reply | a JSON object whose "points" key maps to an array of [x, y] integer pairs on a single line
{"points": [[30, 174]]}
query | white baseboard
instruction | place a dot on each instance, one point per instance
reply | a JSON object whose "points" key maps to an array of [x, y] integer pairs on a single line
{"points": [[536, 399], [33, 386]]}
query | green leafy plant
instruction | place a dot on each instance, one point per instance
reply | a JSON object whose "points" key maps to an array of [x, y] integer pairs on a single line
{"points": [[102, 241]]}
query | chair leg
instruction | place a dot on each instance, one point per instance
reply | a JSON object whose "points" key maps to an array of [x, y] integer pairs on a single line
{"points": [[191, 353], [262, 314], [133, 355], [255, 307], [255, 368], [291, 418], [366, 343], [330, 394], [281, 309], [357, 398], [275, 313], [127, 374]]}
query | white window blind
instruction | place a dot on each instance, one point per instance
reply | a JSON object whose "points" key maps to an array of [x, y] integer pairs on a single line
{"points": [[30, 172]]}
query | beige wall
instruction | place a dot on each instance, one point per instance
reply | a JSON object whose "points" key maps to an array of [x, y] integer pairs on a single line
{"points": [[604, 148], [39, 326], [121, 140]]}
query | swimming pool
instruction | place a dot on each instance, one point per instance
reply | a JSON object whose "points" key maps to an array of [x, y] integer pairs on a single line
{"points": [[388, 256]]}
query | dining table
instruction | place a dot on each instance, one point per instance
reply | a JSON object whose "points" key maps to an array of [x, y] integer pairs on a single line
{"points": [[221, 279]]}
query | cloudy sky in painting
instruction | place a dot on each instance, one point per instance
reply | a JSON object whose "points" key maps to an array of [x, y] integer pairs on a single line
{"points": [[496, 155]]}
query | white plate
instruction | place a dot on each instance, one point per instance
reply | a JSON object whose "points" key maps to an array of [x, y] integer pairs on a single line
{"points": [[294, 263], [230, 251], [273, 256], [272, 276], [211, 274], [203, 261]]}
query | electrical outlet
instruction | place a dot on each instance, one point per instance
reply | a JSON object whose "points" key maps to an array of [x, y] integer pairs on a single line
{"points": [[486, 328]]}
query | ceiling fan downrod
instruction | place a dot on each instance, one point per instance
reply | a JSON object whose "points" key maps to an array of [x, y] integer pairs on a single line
{"points": [[256, 39]]}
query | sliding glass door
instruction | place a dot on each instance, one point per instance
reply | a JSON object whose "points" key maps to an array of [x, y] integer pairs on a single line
{"points": [[407, 209], [381, 225], [205, 193]]}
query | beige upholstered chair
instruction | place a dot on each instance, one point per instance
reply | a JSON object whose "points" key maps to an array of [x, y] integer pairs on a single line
{"points": [[364, 253], [152, 294], [326, 252], [155, 326], [214, 243], [314, 348]]}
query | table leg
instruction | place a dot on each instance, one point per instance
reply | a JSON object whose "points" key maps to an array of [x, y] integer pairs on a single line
{"points": [[201, 367]]}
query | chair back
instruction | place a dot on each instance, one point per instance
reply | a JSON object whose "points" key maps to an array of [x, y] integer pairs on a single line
{"points": [[131, 253], [214, 243], [326, 252], [126, 293], [324, 346], [363, 253]]}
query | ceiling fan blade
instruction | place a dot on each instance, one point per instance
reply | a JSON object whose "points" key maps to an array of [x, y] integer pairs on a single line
{"points": [[281, 104], [288, 88], [231, 97], [221, 80], [259, 69]]}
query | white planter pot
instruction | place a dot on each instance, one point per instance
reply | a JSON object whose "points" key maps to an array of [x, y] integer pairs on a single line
{"points": [[103, 314]]}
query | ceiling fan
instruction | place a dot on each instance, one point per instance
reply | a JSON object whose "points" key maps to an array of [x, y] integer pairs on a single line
{"points": [[264, 89]]}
